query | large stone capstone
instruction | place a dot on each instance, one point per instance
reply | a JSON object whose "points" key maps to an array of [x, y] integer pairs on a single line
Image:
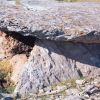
{"points": [[77, 22]]}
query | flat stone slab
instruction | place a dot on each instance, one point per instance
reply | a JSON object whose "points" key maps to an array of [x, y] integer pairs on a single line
{"points": [[77, 22]]}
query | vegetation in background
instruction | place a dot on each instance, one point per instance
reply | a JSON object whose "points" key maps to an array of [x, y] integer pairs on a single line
{"points": [[5, 73], [9, 89]]}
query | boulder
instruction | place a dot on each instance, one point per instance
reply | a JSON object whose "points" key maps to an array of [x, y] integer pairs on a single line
{"points": [[59, 22], [53, 62], [46, 66]]}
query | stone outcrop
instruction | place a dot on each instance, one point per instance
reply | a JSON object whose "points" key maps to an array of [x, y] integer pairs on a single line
{"points": [[53, 62], [17, 63], [65, 40], [60, 22]]}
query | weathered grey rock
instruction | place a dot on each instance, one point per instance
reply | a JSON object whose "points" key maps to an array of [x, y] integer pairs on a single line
{"points": [[88, 93], [90, 90], [72, 92], [52, 62], [80, 82], [56, 56], [73, 97], [17, 63], [77, 22], [46, 66]]}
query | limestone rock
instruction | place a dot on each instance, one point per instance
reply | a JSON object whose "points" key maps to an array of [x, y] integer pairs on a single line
{"points": [[61, 34], [60, 22], [52, 62], [72, 92], [45, 67], [17, 63], [80, 82], [73, 97]]}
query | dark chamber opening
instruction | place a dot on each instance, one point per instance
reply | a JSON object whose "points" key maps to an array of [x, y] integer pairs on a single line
{"points": [[24, 43], [27, 40]]}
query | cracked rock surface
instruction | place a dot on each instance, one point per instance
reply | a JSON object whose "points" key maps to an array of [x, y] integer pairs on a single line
{"points": [[53, 62], [78, 22], [65, 42]]}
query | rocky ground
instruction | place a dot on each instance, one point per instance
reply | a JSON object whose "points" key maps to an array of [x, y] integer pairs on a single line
{"points": [[79, 89], [82, 89]]}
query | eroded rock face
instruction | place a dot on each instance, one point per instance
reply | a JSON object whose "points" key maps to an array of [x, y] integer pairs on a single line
{"points": [[60, 22], [65, 48], [52, 62], [46, 66], [10, 46], [17, 63], [6, 45], [15, 52]]}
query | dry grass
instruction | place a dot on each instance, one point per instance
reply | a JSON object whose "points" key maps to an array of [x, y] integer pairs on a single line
{"points": [[6, 85], [5, 69]]}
